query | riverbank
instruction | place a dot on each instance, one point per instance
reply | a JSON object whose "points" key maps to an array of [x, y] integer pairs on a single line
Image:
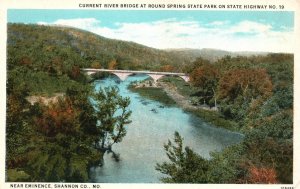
{"points": [[173, 92], [154, 93]]}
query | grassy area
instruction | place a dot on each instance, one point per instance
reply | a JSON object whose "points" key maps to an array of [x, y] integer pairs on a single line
{"points": [[214, 118], [154, 94], [182, 87]]}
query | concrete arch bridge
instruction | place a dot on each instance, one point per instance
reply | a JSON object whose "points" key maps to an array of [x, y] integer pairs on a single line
{"points": [[123, 74]]}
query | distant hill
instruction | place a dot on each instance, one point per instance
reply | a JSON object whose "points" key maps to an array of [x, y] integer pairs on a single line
{"points": [[88, 48], [58, 48], [209, 54]]}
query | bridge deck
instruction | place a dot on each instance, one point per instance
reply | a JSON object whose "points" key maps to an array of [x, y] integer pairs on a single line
{"points": [[133, 71]]}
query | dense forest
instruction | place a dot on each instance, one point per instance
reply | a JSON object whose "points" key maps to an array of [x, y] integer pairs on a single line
{"points": [[63, 48], [255, 92], [59, 140]]}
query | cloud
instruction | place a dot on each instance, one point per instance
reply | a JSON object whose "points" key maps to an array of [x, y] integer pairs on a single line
{"points": [[84, 23], [251, 27], [218, 23], [171, 33]]}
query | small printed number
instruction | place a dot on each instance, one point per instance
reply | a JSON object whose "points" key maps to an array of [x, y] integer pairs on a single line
{"points": [[287, 187], [281, 6]]}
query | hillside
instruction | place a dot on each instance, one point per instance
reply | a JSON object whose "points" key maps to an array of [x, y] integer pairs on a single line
{"points": [[47, 59], [65, 45], [210, 54], [85, 49]]}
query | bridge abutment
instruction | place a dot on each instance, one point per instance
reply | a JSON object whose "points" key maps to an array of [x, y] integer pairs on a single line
{"points": [[185, 78], [90, 72]]}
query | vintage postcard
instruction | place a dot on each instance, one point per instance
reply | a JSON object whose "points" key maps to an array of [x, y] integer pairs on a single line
{"points": [[142, 94]]}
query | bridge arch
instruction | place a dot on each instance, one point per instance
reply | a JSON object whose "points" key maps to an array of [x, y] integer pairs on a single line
{"points": [[157, 77], [123, 74]]}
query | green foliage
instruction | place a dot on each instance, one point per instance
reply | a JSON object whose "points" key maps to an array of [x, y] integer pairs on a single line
{"points": [[56, 50], [257, 93], [112, 115], [54, 142], [16, 128], [39, 82], [199, 62], [15, 175], [185, 167], [224, 167], [78, 167], [206, 78], [216, 119], [47, 166], [274, 135]]}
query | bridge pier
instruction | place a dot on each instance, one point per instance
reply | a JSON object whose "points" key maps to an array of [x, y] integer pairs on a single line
{"points": [[122, 76], [155, 77]]}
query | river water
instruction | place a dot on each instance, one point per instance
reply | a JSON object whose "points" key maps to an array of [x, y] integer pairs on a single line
{"points": [[142, 147]]}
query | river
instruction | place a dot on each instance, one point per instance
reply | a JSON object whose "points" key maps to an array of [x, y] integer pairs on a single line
{"points": [[142, 147]]}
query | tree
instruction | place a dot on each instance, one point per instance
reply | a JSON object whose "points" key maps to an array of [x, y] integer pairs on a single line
{"points": [[250, 83], [112, 65], [96, 65], [167, 68], [112, 115], [196, 64], [274, 134], [58, 118], [16, 121], [25, 60], [186, 166], [206, 77], [75, 72], [239, 87], [62, 134], [262, 175]]}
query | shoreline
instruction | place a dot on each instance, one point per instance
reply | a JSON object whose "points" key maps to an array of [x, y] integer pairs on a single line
{"points": [[181, 100], [172, 92], [209, 115]]}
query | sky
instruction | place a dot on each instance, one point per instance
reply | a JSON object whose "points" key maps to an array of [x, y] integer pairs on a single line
{"points": [[268, 31]]}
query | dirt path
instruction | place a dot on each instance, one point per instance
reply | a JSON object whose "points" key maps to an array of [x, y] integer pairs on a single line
{"points": [[178, 98], [181, 100]]}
